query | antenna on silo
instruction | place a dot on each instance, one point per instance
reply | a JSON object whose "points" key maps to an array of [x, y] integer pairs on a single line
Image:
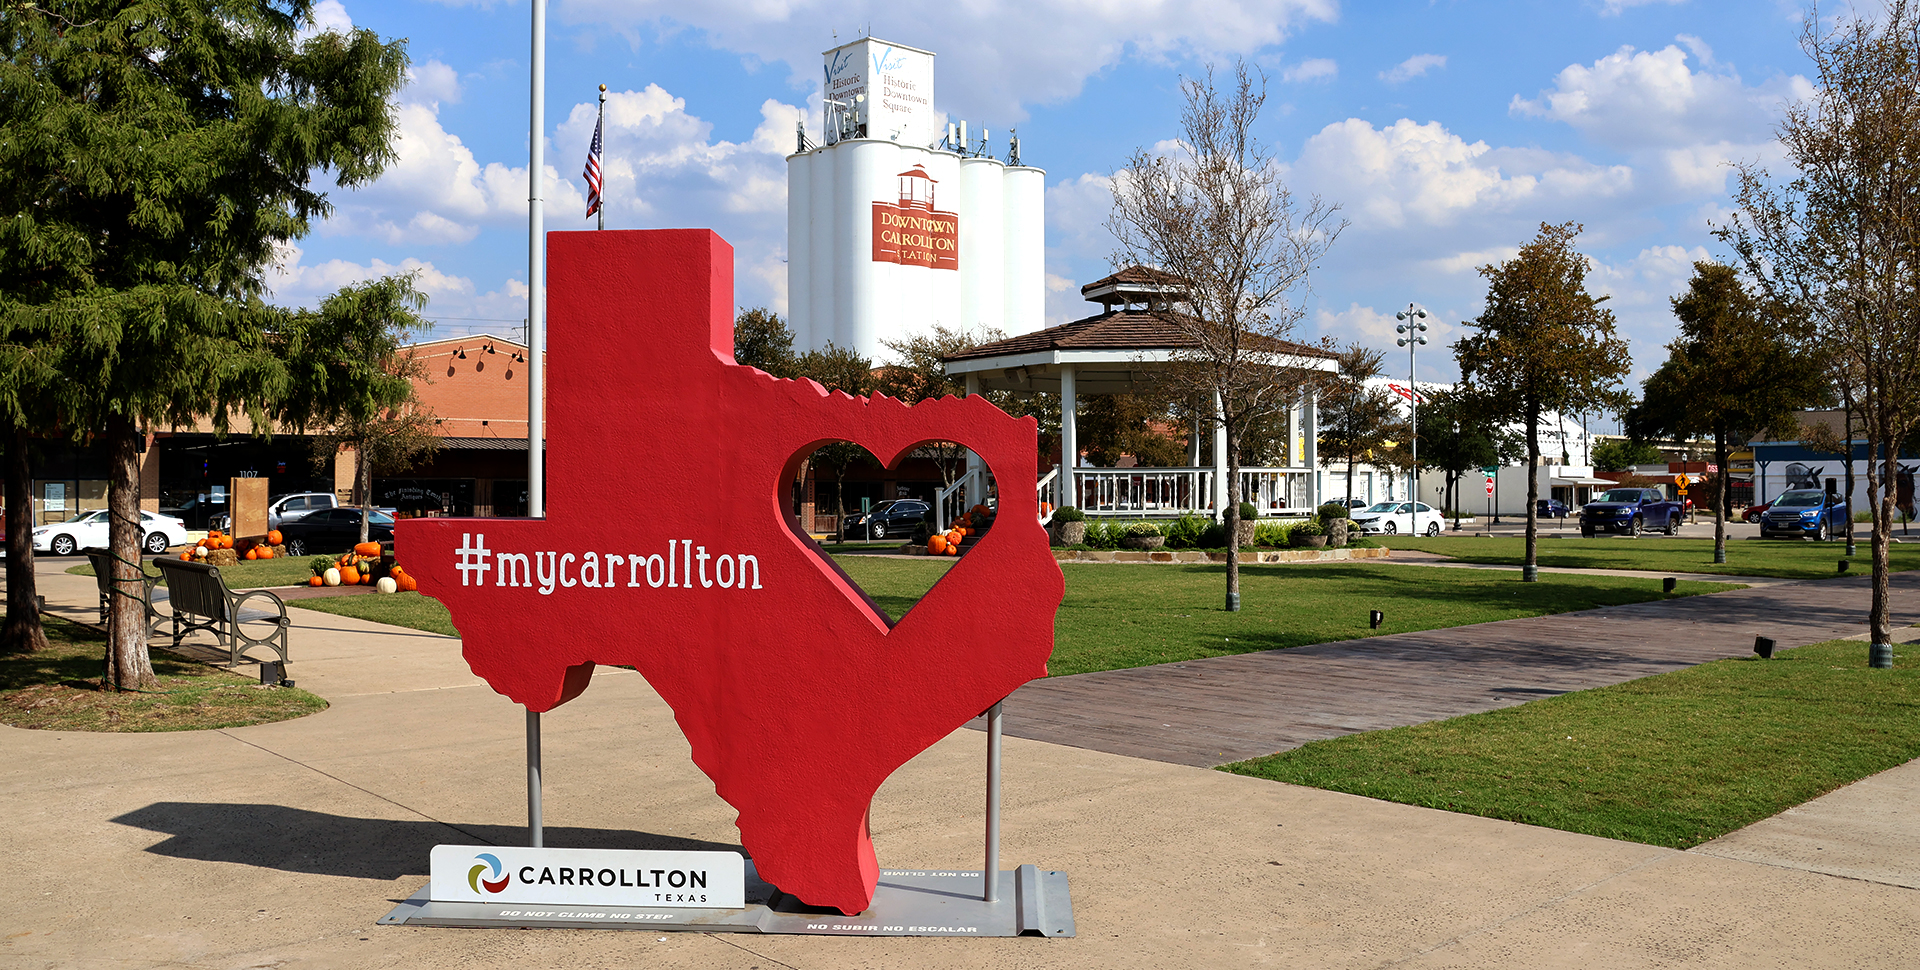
{"points": [[1013, 146]]}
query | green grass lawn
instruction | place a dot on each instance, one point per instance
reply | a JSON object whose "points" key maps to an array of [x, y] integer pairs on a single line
{"points": [[58, 689], [412, 610], [1674, 760], [245, 574], [1786, 558], [1118, 616]]}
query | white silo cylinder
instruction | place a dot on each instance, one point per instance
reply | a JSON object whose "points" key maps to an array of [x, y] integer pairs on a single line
{"points": [[866, 175], [799, 247], [982, 242], [823, 301], [1026, 250]]}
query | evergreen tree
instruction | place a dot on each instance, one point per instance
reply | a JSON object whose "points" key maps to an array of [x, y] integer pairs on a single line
{"points": [[157, 152], [761, 339], [1356, 419]]}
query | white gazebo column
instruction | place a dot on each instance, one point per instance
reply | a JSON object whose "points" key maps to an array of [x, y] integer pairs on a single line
{"points": [[1069, 439], [1219, 461], [1310, 415], [976, 492]]}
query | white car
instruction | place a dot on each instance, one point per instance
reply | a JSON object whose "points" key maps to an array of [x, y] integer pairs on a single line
{"points": [[1399, 518], [157, 532]]}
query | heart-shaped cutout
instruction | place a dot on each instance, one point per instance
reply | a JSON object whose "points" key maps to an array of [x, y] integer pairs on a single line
{"points": [[865, 527]]}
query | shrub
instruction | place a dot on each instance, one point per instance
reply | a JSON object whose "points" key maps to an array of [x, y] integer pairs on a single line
{"points": [[1214, 536], [1103, 535], [1141, 529], [1310, 527], [1247, 512], [1332, 510], [1067, 513], [1270, 533], [1185, 531]]}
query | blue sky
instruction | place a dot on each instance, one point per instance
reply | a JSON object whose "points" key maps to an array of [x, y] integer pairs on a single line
{"points": [[1447, 131]]}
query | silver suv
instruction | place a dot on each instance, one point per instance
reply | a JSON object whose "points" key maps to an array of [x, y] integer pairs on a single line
{"points": [[290, 508]]}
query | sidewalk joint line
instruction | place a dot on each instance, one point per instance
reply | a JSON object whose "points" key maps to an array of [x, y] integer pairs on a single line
{"points": [[727, 938]]}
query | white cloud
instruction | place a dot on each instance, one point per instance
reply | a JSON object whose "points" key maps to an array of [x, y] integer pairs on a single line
{"points": [[1649, 279], [1077, 239], [1410, 174], [453, 302], [995, 55], [328, 15], [431, 83], [1315, 69], [1651, 99], [1416, 66], [1615, 7]]}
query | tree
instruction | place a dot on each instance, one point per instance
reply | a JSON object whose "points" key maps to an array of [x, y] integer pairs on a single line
{"points": [[917, 373], [1110, 426], [157, 152], [761, 339], [355, 381], [1732, 372], [1457, 433], [838, 369], [1840, 241], [1217, 215], [1542, 345], [1617, 456], [1356, 419]]}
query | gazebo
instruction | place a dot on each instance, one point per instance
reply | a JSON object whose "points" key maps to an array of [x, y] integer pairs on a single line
{"points": [[1117, 351]]}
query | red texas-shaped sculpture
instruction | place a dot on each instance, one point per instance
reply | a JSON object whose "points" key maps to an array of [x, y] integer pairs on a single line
{"points": [[669, 545]]}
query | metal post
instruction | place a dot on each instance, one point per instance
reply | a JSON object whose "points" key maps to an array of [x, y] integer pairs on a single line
{"points": [[601, 209], [992, 874], [536, 829], [536, 359]]}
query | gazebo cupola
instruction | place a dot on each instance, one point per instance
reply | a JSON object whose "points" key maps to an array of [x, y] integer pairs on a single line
{"points": [[1141, 286]]}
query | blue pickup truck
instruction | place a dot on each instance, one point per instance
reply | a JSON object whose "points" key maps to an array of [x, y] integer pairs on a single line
{"points": [[1630, 511], [1805, 512]]}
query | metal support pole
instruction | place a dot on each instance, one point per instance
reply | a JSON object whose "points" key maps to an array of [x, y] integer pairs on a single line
{"points": [[536, 829], [992, 874]]}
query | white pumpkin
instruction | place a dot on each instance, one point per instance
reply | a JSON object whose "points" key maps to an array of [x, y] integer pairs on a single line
{"points": [[387, 585], [331, 577], [199, 552]]}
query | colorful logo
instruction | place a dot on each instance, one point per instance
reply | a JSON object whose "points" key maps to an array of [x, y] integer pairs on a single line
{"points": [[473, 875]]}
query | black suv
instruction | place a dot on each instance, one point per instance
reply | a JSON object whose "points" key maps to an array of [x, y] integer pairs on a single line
{"points": [[896, 517], [1631, 511]]}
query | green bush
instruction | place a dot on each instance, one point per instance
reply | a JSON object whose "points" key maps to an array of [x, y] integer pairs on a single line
{"points": [[1103, 535], [1138, 530], [1332, 510], [1185, 531], [1309, 527], [1270, 533], [1214, 536], [320, 564], [1247, 512], [1067, 513]]}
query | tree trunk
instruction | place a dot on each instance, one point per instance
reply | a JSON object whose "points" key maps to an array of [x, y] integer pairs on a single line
{"points": [[1879, 482], [23, 633], [1530, 572], [1232, 513], [363, 487], [1846, 400], [128, 666], [1723, 495]]}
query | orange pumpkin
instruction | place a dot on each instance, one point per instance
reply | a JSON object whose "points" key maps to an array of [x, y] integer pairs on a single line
{"points": [[273, 537], [226, 542], [253, 553], [953, 550], [315, 581], [937, 545], [266, 552], [367, 549], [188, 556], [408, 584], [349, 576]]}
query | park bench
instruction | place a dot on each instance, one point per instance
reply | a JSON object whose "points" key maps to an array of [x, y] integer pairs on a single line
{"points": [[102, 561], [201, 601]]}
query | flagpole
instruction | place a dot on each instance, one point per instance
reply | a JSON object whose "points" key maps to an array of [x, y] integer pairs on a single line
{"points": [[601, 211], [536, 363]]}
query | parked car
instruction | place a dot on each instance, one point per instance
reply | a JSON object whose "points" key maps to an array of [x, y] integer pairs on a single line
{"points": [[292, 508], [1630, 511], [331, 531], [84, 529], [1754, 512], [894, 517], [1392, 518], [1552, 508], [1805, 512]]}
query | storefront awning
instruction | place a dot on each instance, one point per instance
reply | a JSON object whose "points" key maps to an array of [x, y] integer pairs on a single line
{"points": [[1584, 481]]}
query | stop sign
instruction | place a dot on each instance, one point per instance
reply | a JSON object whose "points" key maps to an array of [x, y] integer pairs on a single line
{"points": [[1489, 486]]}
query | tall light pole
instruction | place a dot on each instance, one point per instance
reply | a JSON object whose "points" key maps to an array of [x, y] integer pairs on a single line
{"points": [[1416, 334]]}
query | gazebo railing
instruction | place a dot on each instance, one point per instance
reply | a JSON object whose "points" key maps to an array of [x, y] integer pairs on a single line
{"points": [[1180, 491]]}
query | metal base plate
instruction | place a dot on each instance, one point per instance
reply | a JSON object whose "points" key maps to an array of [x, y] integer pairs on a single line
{"points": [[1031, 902]]}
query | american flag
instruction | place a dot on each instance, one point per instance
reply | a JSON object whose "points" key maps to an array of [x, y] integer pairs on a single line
{"points": [[592, 173]]}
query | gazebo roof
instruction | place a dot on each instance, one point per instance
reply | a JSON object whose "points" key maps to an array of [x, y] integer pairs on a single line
{"points": [[1109, 352]]}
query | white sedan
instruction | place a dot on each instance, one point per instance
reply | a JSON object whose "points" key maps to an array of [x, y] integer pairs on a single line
{"points": [[157, 532], [1391, 518]]}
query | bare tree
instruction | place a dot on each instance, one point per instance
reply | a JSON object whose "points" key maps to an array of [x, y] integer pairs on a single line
{"points": [[1841, 240], [1217, 214], [1356, 419]]}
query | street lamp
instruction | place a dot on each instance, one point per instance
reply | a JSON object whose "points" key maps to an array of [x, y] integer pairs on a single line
{"points": [[1415, 336]]}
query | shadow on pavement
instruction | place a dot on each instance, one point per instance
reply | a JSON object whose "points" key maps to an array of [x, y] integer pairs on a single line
{"points": [[297, 840]]}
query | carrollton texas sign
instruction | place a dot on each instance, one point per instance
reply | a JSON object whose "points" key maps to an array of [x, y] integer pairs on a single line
{"points": [[670, 545]]}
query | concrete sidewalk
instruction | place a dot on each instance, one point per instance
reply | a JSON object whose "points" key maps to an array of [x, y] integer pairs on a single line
{"points": [[280, 845]]}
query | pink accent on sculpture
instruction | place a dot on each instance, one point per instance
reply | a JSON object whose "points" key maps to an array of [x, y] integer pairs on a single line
{"points": [[669, 471]]}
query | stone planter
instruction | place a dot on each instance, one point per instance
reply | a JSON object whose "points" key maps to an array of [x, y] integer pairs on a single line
{"points": [[1245, 533], [1143, 542], [1337, 533], [1310, 542], [1069, 533]]}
